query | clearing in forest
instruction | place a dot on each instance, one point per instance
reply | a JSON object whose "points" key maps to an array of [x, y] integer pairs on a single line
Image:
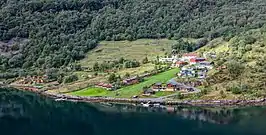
{"points": [[139, 49]]}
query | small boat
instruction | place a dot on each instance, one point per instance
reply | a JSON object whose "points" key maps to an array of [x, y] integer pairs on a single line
{"points": [[145, 104], [59, 99]]}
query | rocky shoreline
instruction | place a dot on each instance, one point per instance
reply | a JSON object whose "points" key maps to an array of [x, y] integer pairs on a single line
{"points": [[206, 103], [203, 103]]}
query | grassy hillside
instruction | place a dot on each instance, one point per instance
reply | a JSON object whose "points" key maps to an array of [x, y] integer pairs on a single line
{"points": [[132, 90], [244, 55], [139, 49]]}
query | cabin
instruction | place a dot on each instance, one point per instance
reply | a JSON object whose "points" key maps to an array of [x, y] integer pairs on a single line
{"points": [[148, 92], [106, 86], [180, 63], [172, 84], [204, 64], [157, 86], [130, 81]]}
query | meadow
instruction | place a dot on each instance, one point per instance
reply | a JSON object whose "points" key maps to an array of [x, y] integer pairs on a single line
{"points": [[131, 90], [139, 49]]}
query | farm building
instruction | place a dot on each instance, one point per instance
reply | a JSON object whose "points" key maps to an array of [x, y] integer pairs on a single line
{"points": [[180, 63], [157, 86], [196, 60]]}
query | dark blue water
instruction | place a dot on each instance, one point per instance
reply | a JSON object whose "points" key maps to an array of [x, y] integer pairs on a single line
{"points": [[27, 114]]}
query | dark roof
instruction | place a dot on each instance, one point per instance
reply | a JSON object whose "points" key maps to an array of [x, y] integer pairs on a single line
{"points": [[173, 82], [148, 91], [158, 83]]}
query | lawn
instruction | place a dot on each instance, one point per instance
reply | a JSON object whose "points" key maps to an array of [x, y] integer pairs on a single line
{"points": [[91, 92], [132, 90], [162, 93]]}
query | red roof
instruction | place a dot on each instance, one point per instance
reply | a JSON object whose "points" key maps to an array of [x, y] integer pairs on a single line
{"points": [[197, 59], [190, 54], [180, 62], [109, 86], [100, 84]]}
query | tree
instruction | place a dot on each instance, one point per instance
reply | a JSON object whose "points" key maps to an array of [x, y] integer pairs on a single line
{"points": [[127, 75], [112, 78], [235, 68], [223, 95], [52, 73], [96, 66], [179, 96], [121, 60], [71, 78], [145, 60]]}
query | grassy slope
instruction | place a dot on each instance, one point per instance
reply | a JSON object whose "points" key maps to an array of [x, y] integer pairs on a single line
{"points": [[113, 50], [129, 91], [249, 58], [91, 91], [137, 89]]}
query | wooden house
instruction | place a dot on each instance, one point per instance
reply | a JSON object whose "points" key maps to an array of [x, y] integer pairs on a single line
{"points": [[148, 92], [172, 84], [157, 86], [180, 63]]}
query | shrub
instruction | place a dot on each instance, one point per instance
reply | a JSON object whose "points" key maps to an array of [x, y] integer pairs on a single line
{"points": [[222, 94], [71, 78], [249, 40], [236, 90], [204, 91], [235, 68], [145, 60], [179, 96]]}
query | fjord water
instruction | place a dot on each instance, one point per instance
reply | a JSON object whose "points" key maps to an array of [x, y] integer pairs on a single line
{"points": [[23, 113]]}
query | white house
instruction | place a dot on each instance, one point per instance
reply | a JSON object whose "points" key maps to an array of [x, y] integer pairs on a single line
{"points": [[188, 56], [172, 59], [204, 64]]}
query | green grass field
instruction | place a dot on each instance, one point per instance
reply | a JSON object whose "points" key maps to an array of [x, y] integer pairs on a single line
{"points": [[91, 92], [139, 49], [132, 90], [163, 93], [137, 89]]}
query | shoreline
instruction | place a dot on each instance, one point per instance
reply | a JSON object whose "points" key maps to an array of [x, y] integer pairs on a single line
{"points": [[201, 103]]}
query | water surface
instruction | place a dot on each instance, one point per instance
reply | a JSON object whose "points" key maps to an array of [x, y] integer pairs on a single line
{"points": [[23, 113]]}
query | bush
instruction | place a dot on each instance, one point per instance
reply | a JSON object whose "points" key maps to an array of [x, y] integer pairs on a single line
{"points": [[249, 40], [145, 60], [222, 94], [235, 90], [112, 78], [179, 96], [71, 78], [204, 91], [235, 68]]}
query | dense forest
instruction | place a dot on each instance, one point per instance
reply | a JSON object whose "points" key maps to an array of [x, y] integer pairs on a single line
{"points": [[57, 33]]}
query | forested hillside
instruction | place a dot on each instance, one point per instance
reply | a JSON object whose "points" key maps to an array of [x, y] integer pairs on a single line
{"points": [[58, 32]]}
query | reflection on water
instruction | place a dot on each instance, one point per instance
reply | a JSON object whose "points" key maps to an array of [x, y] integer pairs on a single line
{"points": [[26, 113]]}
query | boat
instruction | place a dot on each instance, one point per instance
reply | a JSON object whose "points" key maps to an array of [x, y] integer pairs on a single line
{"points": [[146, 104], [60, 99]]}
